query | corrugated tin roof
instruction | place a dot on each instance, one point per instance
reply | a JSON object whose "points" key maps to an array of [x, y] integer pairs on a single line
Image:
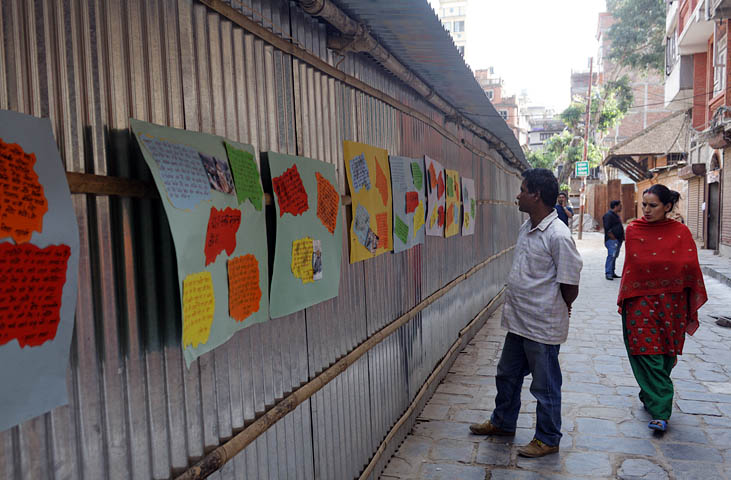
{"points": [[669, 135], [411, 31]]}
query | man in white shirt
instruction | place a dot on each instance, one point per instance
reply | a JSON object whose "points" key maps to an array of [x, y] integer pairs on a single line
{"points": [[542, 285]]}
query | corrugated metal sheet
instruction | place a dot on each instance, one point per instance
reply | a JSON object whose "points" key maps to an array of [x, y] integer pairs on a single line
{"points": [[411, 32], [135, 410]]}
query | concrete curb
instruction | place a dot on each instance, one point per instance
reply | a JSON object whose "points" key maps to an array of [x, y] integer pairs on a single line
{"points": [[717, 274]]}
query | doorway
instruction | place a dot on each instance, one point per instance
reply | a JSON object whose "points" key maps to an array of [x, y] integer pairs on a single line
{"points": [[713, 215]]}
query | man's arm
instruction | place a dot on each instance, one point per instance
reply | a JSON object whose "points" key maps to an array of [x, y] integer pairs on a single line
{"points": [[569, 211], [569, 293], [608, 227]]}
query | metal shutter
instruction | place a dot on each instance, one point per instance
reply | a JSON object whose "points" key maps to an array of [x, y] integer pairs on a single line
{"points": [[695, 201]]}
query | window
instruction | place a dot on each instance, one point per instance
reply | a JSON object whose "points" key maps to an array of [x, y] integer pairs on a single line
{"points": [[448, 26], [504, 114], [719, 61], [545, 136], [460, 49], [490, 94], [459, 26], [671, 53]]}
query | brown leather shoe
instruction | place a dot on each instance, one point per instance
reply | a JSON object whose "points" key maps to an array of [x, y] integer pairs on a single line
{"points": [[536, 448], [488, 428]]}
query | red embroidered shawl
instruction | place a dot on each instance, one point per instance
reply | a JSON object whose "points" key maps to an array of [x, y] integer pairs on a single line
{"points": [[661, 257]]}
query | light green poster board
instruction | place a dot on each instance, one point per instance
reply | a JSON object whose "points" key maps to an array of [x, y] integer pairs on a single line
{"points": [[220, 243], [309, 233]]}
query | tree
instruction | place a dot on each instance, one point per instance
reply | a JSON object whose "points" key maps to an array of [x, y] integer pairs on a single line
{"points": [[609, 104], [637, 36]]}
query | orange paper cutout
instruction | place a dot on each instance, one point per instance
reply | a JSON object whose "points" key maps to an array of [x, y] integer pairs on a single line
{"points": [[244, 294], [199, 305], [382, 230], [381, 183], [440, 185], [432, 176], [412, 201], [450, 215], [291, 194], [221, 234], [31, 286], [440, 216], [22, 201], [328, 203]]}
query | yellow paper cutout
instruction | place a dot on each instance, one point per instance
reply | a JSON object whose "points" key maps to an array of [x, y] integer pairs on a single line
{"points": [[376, 201], [302, 250], [199, 303], [451, 226], [418, 217]]}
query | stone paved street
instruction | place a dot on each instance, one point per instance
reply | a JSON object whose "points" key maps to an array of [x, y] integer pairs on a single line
{"points": [[604, 424]]}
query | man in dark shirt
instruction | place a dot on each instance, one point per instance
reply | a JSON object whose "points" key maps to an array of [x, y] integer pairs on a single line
{"points": [[563, 208], [613, 237]]}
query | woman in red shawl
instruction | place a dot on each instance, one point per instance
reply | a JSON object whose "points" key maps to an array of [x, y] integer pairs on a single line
{"points": [[661, 291]]}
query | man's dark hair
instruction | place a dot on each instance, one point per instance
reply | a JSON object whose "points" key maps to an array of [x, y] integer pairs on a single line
{"points": [[541, 180], [614, 203], [563, 193]]}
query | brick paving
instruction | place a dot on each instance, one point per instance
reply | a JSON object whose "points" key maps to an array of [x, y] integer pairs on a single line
{"points": [[604, 424]]}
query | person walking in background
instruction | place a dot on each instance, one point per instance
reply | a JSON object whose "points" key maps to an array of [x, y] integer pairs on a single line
{"points": [[661, 291], [613, 237], [542, 285], [563, 208]]}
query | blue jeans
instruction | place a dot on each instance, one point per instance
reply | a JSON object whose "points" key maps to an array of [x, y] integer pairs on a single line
{"points": [[613, 247], [519, 358]]}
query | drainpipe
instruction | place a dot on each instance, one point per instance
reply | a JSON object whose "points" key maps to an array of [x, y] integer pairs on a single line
{"points": [[356, 38]]}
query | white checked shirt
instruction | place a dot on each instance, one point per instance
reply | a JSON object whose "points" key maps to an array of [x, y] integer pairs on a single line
{"points": [[545, 256]]}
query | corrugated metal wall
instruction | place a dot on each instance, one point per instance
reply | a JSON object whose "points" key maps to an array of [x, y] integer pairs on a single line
{"points": [[135, 410]]}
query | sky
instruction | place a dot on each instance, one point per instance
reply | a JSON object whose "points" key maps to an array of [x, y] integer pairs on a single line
{"points": [[533, 44]]}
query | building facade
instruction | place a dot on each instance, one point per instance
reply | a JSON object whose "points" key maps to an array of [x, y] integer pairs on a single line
{"points": [[507, 106], [453, 14], [696, 79]]}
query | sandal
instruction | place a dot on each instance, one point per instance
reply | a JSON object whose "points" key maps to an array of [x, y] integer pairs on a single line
{"points": [[660, 425]]}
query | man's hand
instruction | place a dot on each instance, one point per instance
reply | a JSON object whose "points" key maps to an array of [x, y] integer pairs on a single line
{"points": [[611, 235]]}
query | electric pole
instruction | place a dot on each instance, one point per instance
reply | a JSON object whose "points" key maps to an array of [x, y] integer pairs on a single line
{"points": [[582, 195]]}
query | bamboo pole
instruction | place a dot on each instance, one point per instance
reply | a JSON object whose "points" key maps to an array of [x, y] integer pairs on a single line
{"points": [[424, 388], [224, 453]]}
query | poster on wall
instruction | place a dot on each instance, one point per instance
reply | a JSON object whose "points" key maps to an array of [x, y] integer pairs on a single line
{"points": [[212, 194], [39, 263], [436, 197], [309, 240], [469, 206], [409, 202], [453, 193], [369, 179]]}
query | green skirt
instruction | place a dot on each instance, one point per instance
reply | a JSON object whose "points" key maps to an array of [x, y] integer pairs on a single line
{"points": [[652, 373]]}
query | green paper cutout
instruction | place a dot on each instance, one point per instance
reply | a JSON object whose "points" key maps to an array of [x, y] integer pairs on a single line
{"points": [[401, 229], [450, 186], [246, 176], [472, 207], [417, 175]]}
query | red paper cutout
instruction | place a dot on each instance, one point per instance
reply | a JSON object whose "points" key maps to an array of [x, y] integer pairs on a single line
{"points": [[22, 201], [432, 176], [328, 203], [291, 194], [31, 286], [412, 201], [381, 183], [244, 294], [221, 234], [450, 215], [440, 185], [440, 216], [382, 230]]}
